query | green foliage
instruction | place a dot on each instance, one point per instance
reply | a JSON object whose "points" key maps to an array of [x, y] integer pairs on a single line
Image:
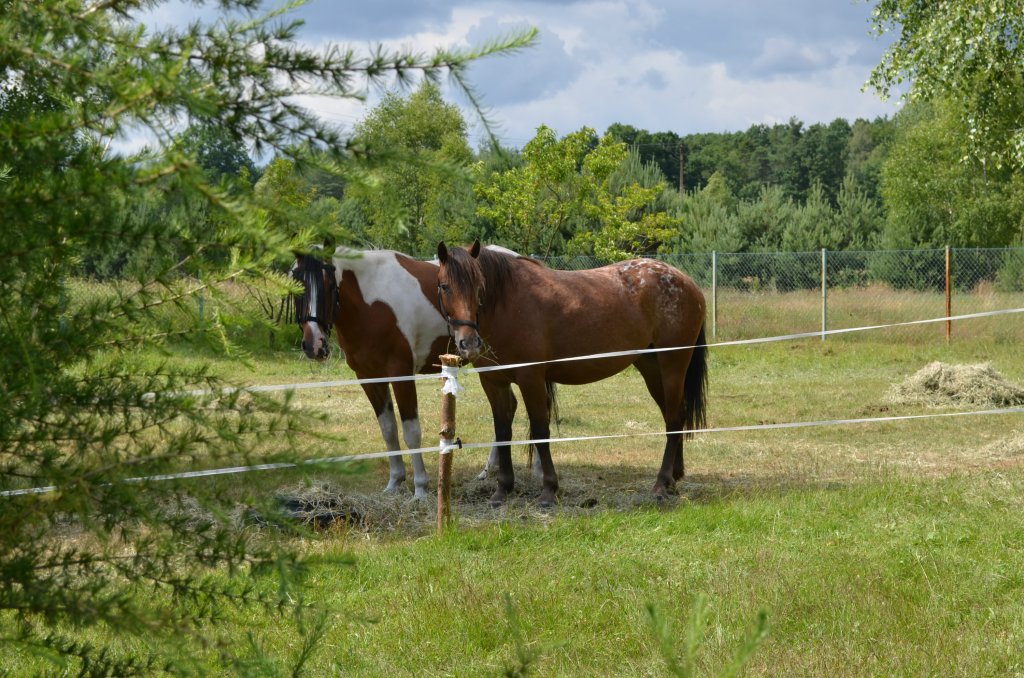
{"points": [[586, 194], [536, 207], [762, 222], [710, 221], [661, 149], [858, 218], [812, 226], [217, 152], [151, 567], [423, 195], [970, 53], [936, 196]]}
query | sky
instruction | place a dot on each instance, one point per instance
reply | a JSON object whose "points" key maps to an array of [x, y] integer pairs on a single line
{"points": [[685, 66]]}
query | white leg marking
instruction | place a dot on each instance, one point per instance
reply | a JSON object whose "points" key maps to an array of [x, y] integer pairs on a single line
{"points": [[492, 463], [413, 439], [389, 429], [538, 472]]}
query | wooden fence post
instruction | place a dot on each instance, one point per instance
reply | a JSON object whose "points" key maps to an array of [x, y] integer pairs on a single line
{"points": [[444, 466]]}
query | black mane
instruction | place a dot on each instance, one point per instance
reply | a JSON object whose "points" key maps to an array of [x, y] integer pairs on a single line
{"points": [[309, 271]]}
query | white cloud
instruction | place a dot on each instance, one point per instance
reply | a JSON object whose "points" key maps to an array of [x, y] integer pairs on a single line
{"points": [[681, 65]]}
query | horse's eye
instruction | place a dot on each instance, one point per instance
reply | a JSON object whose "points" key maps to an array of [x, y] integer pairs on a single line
{"points": [[444, 287]]}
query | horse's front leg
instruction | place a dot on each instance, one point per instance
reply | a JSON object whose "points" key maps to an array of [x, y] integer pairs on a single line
{"points": [[380, 398], [405, 396], [535, 397], [503, 408], [492, 458]]}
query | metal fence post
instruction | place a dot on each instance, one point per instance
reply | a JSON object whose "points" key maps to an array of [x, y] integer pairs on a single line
{"points": [[824, 293], [714, 295], [949, 294]]}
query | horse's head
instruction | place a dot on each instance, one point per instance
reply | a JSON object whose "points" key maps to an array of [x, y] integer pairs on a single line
{"points": [[460, 289], [315, 308]]}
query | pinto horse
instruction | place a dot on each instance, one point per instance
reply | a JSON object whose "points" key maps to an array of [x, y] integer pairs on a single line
{"points": [[505, 309], [383, 307]]}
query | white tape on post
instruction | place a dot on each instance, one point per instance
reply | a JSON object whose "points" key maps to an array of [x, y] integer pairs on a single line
{"points": [[451, 384]]}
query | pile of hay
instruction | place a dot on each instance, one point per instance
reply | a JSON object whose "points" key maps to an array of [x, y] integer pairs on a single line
{"points": [[941, 385], [323, 505]]}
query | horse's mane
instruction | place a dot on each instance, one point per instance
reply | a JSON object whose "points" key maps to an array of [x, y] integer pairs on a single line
{"points": [[496, 267], [312, 277]]}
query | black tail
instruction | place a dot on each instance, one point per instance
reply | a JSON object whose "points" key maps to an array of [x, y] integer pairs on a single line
{"points": [[695, 386]]}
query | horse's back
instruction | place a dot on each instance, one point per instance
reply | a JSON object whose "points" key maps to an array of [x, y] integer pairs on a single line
{"points": [[549, 314], [661, 301]]}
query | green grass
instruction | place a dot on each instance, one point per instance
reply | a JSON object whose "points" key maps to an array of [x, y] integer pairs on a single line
{"points": [[876, 549], [896, 578], [900, 577]]}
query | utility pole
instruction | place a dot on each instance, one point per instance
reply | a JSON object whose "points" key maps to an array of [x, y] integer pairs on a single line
{"points": [[682, 186]]}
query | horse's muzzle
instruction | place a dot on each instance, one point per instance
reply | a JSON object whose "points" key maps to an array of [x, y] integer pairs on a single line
{"points": [[321, 352], [470, 346]]}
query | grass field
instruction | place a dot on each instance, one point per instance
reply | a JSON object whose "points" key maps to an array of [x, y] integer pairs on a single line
{"points": [[873, 549]]}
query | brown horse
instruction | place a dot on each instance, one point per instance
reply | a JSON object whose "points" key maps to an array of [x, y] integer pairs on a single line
{"points": [[384, 311], [506, 309], [384, 308]]}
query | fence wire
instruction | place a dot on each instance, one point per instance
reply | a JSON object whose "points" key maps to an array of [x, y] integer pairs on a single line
{"points": [[752, 294]]}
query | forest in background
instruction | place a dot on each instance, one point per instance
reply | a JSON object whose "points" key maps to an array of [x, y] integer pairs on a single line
{"points": [[890, 183]]}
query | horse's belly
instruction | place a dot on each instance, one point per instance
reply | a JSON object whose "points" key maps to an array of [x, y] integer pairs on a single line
{"points": [[587, 371]]}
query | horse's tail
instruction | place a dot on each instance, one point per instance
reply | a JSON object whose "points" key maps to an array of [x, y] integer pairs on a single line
{"points": [[695, 386], [553, 415]]}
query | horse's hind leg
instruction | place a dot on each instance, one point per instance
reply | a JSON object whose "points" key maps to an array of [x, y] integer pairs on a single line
{"points": [[405, 395], [380, 400], [668, 370], [535, 397]]}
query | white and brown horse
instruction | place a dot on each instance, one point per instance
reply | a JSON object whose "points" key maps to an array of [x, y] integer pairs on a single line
{"points": [[383, 307], [505, 309]]}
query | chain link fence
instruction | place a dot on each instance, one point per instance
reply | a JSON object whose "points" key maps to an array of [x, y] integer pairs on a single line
{"points": [[760, 294]]}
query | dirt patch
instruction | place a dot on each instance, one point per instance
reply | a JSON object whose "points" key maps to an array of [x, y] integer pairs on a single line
{"points": [[942, 385]]}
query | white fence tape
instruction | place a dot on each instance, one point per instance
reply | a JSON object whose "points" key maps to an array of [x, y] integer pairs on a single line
{"points": [[269, 388], [448, 446], [451, 372]]}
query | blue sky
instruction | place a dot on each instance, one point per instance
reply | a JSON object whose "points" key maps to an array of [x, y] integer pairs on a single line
{"points": [[663, 65]]}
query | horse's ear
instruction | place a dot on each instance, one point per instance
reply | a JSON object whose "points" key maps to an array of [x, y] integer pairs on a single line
{"points": [[442, 252], [474, 249]]}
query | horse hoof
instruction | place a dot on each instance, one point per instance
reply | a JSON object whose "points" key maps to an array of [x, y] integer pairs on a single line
{"points": [[546, 499], [498, 498], [482, 475]]}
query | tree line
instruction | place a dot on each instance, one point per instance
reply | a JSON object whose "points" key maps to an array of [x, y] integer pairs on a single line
{"points": [[889, 183]]}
